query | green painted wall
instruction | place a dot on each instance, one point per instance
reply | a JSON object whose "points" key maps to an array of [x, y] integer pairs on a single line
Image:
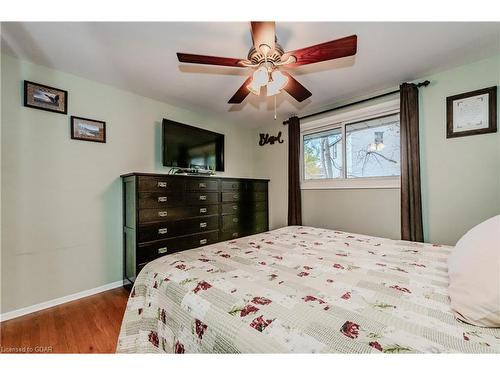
{"points": [[61, 198], [460, 176]]}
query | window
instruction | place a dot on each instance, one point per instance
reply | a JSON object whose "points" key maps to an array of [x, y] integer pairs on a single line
{"points": [[372, 147], [323, 154], [359, 149]]}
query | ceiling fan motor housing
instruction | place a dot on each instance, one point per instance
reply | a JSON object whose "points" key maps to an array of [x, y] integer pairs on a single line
{"points": [[274, 56]]}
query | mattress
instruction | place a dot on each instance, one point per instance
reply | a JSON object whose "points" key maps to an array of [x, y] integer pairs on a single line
{"points": [[299, 290]]}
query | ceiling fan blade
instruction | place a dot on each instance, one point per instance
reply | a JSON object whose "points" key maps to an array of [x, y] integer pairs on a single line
{"points": [[208, 60], [263, 33], [322, 52], [242, 92], [295, 89]]}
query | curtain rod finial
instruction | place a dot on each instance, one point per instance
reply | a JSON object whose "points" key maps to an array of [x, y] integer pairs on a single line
{"points": [[286, 122]]}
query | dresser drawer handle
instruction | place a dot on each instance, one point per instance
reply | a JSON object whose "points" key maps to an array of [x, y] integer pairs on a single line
{"points": [[162, 213], [162, 250], [203, 241], [235, 208], [203, 225], [162, 231], [203, 197], [235, 186], [202, 185], [162, 199], [236, 196], [162, 184], [235, 234], [203, 210], [235, 219]]}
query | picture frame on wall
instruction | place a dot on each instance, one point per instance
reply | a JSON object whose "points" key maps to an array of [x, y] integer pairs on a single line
{"points": [[45, 97], [472, 113], [85, 129]]}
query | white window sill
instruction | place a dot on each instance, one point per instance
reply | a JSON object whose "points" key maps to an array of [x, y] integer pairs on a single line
{"points": [[353, 183]]}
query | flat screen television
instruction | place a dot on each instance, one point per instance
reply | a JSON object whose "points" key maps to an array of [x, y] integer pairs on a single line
{"points": [[186, 146]]}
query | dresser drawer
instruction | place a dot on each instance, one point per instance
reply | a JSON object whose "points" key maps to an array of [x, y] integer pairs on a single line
{"points": [[257, 186], [231, 208], [230, 222], [204, 184], [233, 185], [158, 231], [244, 197], [157, 200], [259, 228], [176, 213], [234, 196], [259, 217], [230, 235], [258, 196], [202, 198], [259, 206], [256, 223], [151, 251], [241, 208], [199, 224], [159, 184]]}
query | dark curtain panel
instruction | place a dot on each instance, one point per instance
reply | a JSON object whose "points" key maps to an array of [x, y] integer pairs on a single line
{"points": [[411, 201], [294, 200]]}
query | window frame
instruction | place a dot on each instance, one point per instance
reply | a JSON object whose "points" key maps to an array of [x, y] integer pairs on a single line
{"points": [[340, 120]]}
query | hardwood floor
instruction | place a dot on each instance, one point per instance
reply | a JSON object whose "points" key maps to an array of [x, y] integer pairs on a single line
{"points": [[87, 325]]}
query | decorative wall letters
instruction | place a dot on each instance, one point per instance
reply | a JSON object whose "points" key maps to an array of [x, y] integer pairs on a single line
{"points": [[266, 138]]}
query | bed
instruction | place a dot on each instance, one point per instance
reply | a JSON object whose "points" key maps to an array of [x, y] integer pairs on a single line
{"points": [[299, 290]]}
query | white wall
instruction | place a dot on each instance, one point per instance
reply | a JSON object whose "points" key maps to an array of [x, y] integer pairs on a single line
{"points": [[61, 198], [460, 177]]}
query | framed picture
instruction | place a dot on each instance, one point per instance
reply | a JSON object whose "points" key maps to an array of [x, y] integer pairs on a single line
{"points": [[85, 129], [472, 113], [45, 97]]}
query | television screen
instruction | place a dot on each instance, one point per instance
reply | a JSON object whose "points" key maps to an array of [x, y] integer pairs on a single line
{"points": [[186, 146]]}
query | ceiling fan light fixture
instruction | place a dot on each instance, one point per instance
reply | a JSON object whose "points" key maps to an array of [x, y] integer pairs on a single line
{"points": [[272, 89], [279, 81], [260, 77], [254, 88]]}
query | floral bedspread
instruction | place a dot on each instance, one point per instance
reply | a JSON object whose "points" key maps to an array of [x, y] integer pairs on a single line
{"points": [[300, 290]]}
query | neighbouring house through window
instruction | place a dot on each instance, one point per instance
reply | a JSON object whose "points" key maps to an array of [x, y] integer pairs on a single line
{"points": [[357, 149]]}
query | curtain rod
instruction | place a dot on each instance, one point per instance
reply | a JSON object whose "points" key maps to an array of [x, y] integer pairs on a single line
{"points": [[425, 83]]}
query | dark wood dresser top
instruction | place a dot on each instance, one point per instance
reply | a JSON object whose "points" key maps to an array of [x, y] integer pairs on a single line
{"points": [[191, 176]]}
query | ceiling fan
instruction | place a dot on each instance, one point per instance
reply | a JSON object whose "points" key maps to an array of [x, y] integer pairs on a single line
{"points": [[267, 57]]}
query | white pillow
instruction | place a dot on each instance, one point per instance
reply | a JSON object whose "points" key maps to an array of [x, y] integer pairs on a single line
{"points": [[474, 270]]}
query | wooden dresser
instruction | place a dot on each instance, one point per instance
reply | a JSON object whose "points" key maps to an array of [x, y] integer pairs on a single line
{"points": [[163, 214]]}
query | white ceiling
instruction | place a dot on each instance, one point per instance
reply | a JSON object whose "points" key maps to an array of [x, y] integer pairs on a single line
{"points": [[140, 57]]}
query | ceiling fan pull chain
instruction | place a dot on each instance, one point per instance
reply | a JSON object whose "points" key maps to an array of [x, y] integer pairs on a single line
{"points": [[274, 107]]}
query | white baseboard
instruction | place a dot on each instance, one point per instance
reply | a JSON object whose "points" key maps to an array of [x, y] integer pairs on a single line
{"points": [[58, 301]]}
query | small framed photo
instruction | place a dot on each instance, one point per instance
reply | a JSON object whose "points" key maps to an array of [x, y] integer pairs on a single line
{"points": [[472, 113], [45, 97], [85, 129]]}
